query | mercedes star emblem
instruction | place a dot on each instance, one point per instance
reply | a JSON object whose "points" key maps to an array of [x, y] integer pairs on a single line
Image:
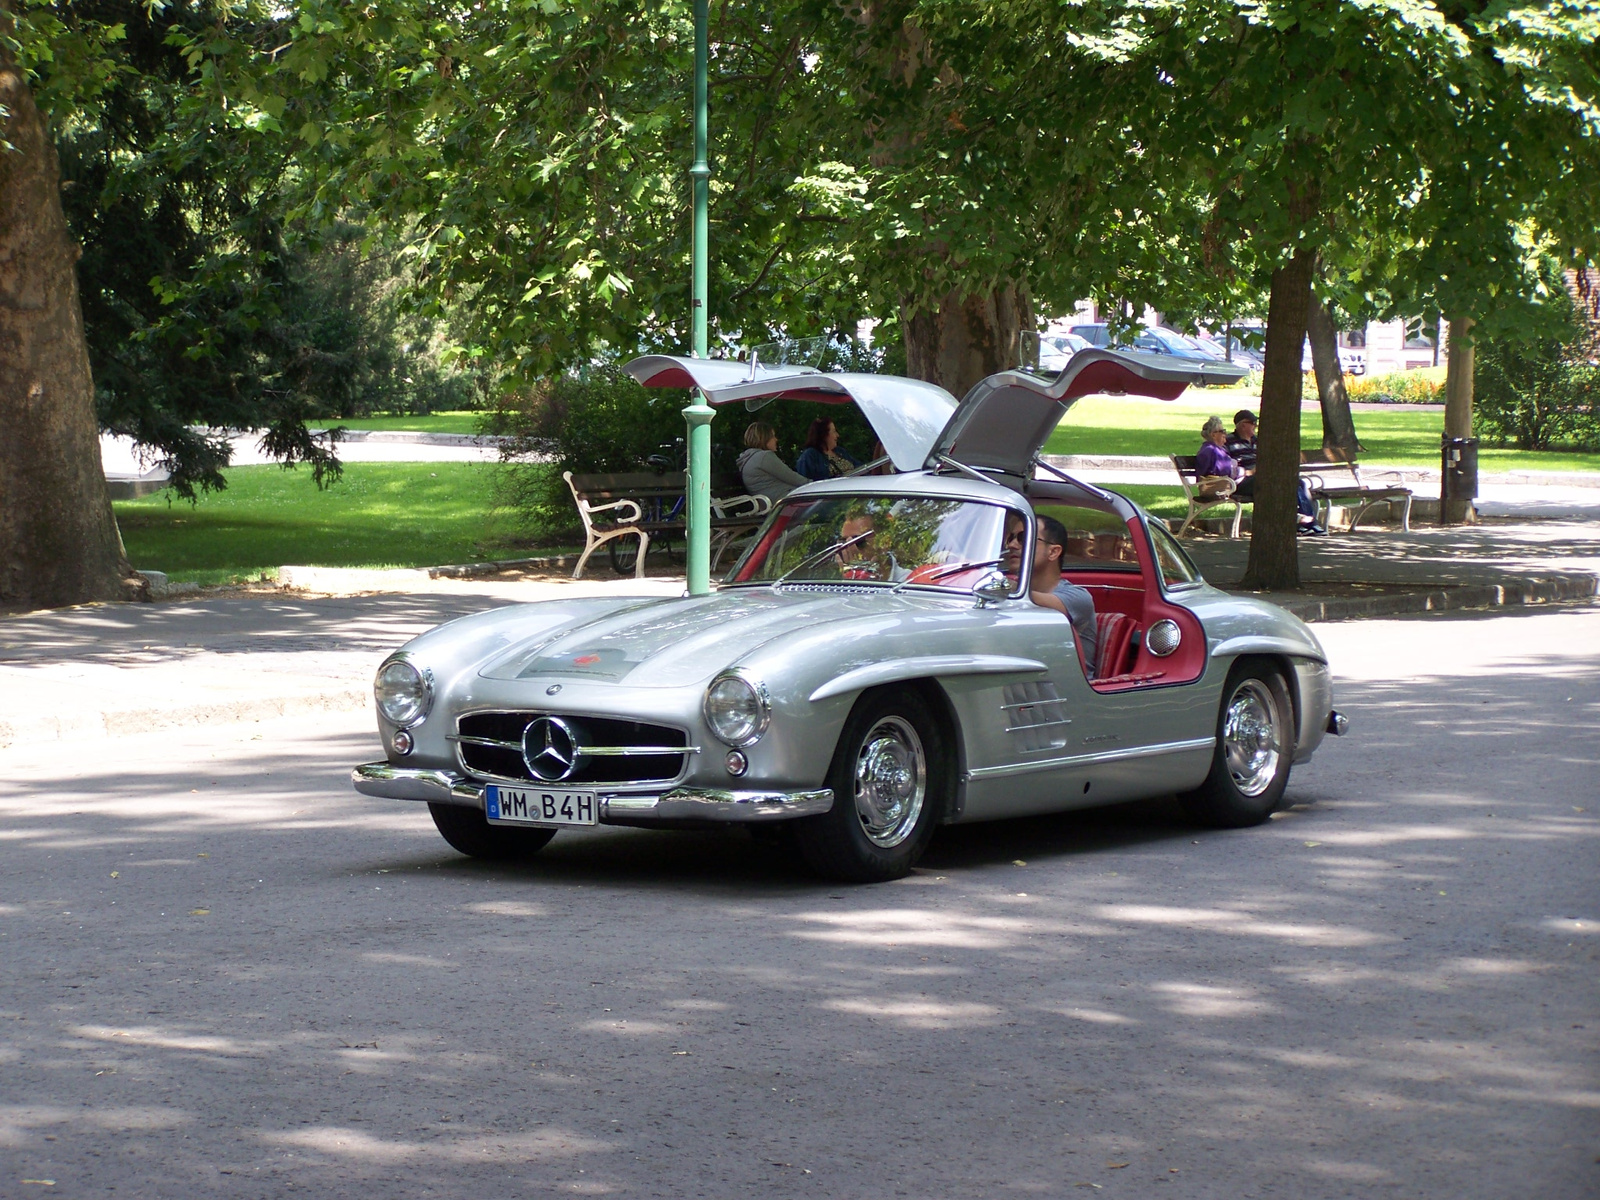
{"points": [[550, 749]]}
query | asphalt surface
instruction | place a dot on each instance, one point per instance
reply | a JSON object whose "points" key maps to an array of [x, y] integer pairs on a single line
{"points": [[222, 973]]}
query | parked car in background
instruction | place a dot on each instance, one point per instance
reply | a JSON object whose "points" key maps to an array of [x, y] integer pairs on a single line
{"points": [[1153, 339], [1056, 348], [1232, 349]]}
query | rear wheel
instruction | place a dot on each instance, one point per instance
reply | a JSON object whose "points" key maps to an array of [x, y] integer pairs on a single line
{"points": [[1255, 748], [467, 831], [891, 777]]}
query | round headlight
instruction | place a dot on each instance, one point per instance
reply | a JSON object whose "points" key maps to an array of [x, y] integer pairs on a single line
{"points": [[736, 711], [404, 693]]}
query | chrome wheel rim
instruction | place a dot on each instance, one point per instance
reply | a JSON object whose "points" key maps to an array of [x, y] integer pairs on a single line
{"points": [[1251, 741], [891, 782]]}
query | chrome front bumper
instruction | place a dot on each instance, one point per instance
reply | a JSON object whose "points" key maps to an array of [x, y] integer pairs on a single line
{"points": [[386, 780]]}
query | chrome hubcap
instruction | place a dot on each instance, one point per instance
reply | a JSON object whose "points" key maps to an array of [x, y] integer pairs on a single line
{"points": [[1250, 737], [891, 782]]}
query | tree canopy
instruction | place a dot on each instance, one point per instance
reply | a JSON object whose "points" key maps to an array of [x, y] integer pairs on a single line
{"points": [[951, 169]]}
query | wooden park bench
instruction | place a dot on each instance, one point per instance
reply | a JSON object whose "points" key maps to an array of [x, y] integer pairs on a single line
{"points": [[1317, 465], [1184, 464], [642, 504]]}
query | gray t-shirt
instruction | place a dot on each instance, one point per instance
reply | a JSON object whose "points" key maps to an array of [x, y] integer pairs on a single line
{"points": [[765, 474], [1080, 611]]}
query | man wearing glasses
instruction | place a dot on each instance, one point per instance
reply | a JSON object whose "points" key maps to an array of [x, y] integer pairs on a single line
{"points": [[1047, 588]]}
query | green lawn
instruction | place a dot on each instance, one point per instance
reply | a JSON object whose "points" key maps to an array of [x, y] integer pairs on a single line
{"points": [[377, 515], [1129, 425], [439, 422], [1155, 499]]}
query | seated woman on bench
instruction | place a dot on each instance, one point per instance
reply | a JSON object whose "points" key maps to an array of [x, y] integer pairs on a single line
{"points": [[1047, 588]]}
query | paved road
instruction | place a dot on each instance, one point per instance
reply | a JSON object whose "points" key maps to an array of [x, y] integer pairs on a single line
{"points": [[222, 973]]}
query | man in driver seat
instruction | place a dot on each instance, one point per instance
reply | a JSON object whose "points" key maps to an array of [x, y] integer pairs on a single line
{"points": [[1047, 588]]}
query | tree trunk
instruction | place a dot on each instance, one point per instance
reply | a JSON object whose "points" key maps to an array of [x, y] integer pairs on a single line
{"points": [[966, 338], [58, 538], [1338, 425], [1457, 409], [1274, 555]]}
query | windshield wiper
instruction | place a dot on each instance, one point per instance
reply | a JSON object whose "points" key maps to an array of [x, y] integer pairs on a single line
{"points": [[820, 555], [948, 569]]}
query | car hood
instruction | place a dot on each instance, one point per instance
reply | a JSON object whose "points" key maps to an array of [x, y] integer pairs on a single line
{"points": [[677, 643]]}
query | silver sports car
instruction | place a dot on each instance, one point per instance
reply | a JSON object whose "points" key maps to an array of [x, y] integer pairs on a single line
{"points": [[884, 658]]}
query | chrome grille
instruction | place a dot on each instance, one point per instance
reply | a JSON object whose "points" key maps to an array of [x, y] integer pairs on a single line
{"points": [[610, 751]]}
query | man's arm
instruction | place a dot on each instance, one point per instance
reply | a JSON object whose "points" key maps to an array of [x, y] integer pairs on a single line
{"points": [[1048, 600]]}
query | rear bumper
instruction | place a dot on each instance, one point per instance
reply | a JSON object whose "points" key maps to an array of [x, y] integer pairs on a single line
{"points": [[390, 782]]}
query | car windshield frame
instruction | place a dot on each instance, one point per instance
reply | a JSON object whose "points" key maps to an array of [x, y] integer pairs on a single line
{"points": [[1169, 542], [898, 524]]}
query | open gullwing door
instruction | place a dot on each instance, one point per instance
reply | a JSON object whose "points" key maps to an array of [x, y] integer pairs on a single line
{"points": [[1003, 422], [908, 415]]}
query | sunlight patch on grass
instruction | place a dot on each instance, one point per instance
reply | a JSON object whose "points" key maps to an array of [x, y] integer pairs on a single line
{"points": [[439, 422], [376, 515]]}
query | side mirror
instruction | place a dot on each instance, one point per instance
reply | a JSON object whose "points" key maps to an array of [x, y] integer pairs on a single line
{"points": [[992, 588]]}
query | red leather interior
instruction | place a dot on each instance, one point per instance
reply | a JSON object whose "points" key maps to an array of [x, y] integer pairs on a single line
{"points": [[1115, 635], [1138, 599]]}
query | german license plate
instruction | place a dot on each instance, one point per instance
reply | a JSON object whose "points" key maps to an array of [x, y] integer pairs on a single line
{"points": [[531, 806]]}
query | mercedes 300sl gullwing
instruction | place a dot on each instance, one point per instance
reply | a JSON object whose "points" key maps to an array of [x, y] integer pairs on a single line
{"points": [[876, 664]]}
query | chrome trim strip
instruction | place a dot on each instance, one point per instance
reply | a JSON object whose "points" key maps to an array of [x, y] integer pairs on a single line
{"points": [[583, 751], [1037, 725], [713, 804], [1079, 760], [568, 785], [570, 715], [390, 782]]}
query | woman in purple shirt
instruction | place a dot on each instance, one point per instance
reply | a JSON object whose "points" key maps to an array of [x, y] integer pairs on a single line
{"points": [[1214, 459]]}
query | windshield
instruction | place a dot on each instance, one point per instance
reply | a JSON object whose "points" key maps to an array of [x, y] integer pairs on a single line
{"points": [[876, 539]]}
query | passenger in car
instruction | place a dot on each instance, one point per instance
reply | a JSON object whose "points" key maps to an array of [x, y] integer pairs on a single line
{"points": [[1047, 588]]}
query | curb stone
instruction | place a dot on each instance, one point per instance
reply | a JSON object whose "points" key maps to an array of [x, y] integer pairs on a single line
{"points": [[313, 579], [1511, 593]]}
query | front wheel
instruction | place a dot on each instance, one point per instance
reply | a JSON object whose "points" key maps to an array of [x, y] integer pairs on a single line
{"points": [[1255, 749], [467, 831], [891, 778]]}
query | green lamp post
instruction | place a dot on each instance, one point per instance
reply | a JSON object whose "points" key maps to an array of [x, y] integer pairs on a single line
{"points": [[699, 414]]}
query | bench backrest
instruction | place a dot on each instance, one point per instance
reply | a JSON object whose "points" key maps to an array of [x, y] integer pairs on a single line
{"points": [[1314, 462], [598, 488]]}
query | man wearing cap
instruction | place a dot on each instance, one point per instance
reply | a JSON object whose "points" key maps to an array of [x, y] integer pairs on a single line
{"points": [[1241, 447]]}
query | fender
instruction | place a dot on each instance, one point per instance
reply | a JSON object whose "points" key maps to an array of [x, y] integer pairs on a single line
{"points": [[930, 666], [1256, 643]]}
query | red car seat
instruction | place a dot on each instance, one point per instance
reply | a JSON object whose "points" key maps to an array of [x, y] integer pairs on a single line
{"points": [[1115, 634]]}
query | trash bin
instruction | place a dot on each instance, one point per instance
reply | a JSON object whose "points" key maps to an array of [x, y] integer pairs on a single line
{"points": [[1459, 463]]}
